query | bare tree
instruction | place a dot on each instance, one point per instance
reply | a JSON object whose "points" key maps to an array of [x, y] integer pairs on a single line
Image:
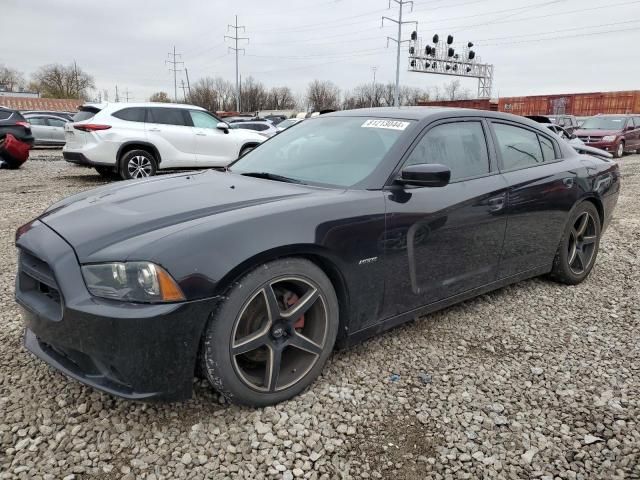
{"points": [[323, 95], [253, 95], [161, 97], [10, 79], [412, 95], [60, 81], [205, 95], [365, 96], [454, 91], [280, 98]]}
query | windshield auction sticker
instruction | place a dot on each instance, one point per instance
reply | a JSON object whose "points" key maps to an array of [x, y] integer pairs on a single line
{"points": [[390, 124]]}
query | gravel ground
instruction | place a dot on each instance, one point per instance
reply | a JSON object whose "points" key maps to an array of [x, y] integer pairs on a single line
{"points": [[537, 380]]}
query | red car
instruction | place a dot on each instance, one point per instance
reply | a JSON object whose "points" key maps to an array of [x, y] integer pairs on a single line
{"points": [[614, 133]]}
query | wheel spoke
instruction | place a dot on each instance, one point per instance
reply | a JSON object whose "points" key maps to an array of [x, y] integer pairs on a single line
{"points": [[581, 259], [273, 369], [572, 252], [273, 309], [302, 305], [582, 226], [589, 240], [251, 342], [303, 343]]}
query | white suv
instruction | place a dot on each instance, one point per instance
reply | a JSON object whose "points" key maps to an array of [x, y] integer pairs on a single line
{"points": [[136, 140]]}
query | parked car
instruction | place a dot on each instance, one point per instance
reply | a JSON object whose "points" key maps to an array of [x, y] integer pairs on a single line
{"points": [[275, 119], [12, 121], [614, 133], [264, 128], [577, 144], [290, 122], [342, 227], [47, 129], [136, 140], [66, 115], [568, 122]]}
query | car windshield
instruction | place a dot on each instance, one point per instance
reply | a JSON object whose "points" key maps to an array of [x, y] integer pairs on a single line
{"points": [[604, 123], [336, 151]]}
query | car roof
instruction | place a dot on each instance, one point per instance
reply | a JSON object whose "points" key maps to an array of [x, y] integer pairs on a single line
{"points": [[117, 105]]}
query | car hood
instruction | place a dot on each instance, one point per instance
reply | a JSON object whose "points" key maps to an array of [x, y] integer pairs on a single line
{"points": [[596, 133], [94, 220]]}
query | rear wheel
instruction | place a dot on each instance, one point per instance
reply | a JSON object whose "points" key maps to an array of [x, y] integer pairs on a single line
{"points": [[137, 164], [273, 333], [579, 246]]}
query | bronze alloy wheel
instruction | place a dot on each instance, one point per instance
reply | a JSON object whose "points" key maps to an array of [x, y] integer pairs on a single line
{"points": [[279, 334], [582, 243]]}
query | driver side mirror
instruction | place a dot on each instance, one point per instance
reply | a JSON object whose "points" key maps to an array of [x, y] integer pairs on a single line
{"points": [[425, 175], [223, 126]]}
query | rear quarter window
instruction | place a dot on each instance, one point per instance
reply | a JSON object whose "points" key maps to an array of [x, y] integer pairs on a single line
{"points": [[83, 115], [133, 114], [5, 114]]}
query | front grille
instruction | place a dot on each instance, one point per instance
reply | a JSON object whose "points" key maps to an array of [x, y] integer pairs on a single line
{"points": [[590, 139], [37, 286]]}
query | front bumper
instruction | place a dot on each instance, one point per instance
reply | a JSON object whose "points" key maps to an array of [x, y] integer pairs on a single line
{"points": [[606, 146], [135, 351]]}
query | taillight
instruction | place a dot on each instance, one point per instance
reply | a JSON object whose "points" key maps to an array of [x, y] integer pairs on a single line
{"points": [[91, 127], [24, 124]]}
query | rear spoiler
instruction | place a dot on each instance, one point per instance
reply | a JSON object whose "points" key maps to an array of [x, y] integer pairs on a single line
{"points": [[591, 151]]}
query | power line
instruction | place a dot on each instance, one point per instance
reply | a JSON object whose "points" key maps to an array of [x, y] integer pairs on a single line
{"points": [[236, 38], [399, 41], [174, 63], [585, 34]]}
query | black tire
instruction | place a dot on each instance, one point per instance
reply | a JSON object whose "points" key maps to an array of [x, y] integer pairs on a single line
{"points": [[107, 173], [573, 263], [244, 380], [619, 151], [137, 164]]}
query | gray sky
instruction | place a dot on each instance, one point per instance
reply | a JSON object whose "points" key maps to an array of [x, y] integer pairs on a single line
{"points": [[292, 42]]}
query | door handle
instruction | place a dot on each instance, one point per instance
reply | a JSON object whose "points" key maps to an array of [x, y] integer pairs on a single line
{"points": [[200, 134], [155, 130]]}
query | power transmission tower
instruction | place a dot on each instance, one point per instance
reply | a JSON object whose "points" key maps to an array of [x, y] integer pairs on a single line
{"points": [[184, 90], [186, 72], [399, 42], [373, 89], [175, 70], [236, 38]]}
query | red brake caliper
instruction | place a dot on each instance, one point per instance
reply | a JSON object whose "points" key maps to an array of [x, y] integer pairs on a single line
{"points": [[291, 299]]}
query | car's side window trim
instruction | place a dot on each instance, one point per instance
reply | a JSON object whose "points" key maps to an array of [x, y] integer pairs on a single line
{"points": [[556, 147], [493, 170]]}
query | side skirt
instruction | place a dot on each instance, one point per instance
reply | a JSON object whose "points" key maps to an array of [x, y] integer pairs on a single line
{"points": [[357, 337]]}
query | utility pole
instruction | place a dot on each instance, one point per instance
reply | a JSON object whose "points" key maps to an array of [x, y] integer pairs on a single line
{"points": [[117, 97], [236, 38], [373, 89], [399, 42], [186, 72], [175, 70], [126, 95]]}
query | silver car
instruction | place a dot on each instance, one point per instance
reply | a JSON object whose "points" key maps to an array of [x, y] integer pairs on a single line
{"points": [[47, 129], [263, 127]]}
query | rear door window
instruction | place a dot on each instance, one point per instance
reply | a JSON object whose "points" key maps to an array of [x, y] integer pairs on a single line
{"points": [[132, 114], [519, 147], [37, 121], [56, 122], [168, 116]]}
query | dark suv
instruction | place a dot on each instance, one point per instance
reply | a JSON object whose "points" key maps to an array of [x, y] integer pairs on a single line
{"points": [[614, 133], [11, 121]]}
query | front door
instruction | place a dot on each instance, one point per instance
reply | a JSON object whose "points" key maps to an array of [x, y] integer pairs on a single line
{"points": [[443, 241], [214, 147], [542, 190]]}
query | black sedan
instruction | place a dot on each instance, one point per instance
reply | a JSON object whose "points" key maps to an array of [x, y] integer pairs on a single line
{"points": [[12, 121], [330, 232]]}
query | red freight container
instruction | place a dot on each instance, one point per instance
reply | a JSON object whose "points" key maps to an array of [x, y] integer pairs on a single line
{"points": [[580, 104], [478, 104]]}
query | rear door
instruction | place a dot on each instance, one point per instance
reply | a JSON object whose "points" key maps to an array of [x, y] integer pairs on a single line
{"points": [[170, 130], [56, 129], [214, 147], [543, 187], [39, 129]]}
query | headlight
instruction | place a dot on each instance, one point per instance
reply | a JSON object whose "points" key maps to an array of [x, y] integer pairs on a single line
{"points": [[609, 138], [132, 282]]}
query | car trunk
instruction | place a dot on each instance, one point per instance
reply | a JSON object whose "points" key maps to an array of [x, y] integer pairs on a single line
{"points": [[77, 138]]}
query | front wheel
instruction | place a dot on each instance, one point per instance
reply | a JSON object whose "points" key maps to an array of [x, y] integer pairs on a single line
{"points": [[137, 164], [619, 150], [273, 333], [579, 246]]}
